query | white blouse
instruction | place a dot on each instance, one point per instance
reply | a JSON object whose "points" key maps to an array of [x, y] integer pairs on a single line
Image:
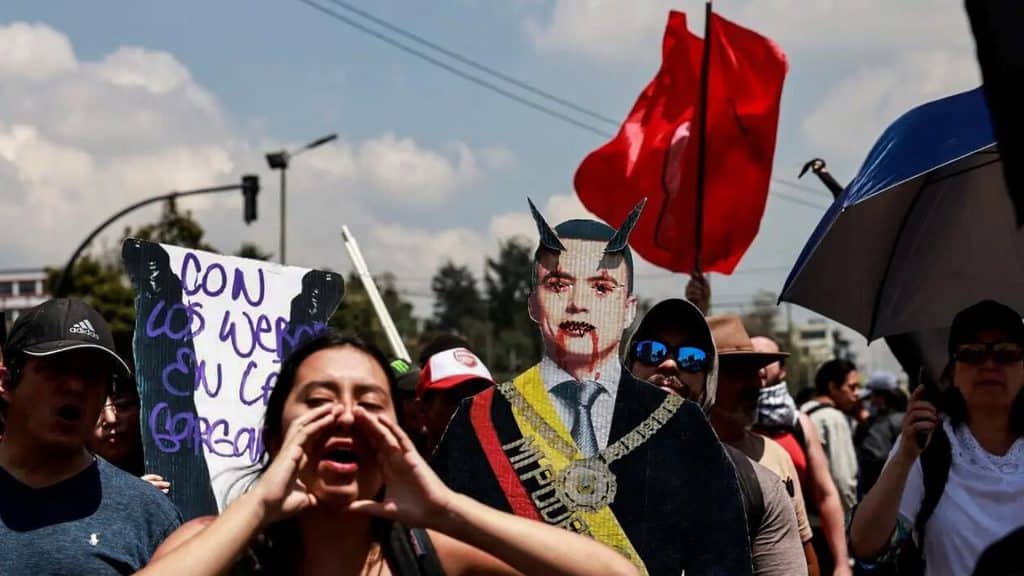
{"points": [[983, 501]]}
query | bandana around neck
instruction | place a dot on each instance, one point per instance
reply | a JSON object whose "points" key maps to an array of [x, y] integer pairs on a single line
{"points": [[775, 407]]}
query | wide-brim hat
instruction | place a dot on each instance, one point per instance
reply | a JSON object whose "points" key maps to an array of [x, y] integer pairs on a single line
{"points": [[734, 345]]}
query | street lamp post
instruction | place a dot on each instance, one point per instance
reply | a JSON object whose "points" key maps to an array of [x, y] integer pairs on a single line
{"points": [[279, 161], [250, 187]]}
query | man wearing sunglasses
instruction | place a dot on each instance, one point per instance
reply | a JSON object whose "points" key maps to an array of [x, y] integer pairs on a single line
{"points": [[673, 348]]}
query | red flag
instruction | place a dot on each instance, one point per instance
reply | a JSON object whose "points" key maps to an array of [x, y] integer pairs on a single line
{"points": [[655, 153]]}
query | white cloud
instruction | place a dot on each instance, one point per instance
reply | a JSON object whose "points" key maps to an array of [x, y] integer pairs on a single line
{"points": [[834, 29], [39, 162], [419, 252], [174, 168], [34, 51], [557, 209], [405, 172], [157, 72], [855, 111], [614, 30], [620, 30], [89, 137], [498, 157]]}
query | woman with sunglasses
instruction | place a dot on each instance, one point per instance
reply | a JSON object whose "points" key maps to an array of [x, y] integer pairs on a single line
{"points": [[972, 440], [344, 492]]}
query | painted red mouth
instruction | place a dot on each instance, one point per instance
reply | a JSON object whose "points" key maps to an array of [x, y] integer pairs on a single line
{"points": [[576, 329]]}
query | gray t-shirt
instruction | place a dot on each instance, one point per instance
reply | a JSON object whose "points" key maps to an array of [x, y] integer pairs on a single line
{"points": [[100, 521], [837, 440], [776, 549]]}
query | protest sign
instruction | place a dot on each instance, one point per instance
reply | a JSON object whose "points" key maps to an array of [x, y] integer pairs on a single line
{"points": [[576, 441], [210, 334]]}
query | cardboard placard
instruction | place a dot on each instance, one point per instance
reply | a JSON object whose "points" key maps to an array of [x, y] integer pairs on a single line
{"points": [[210, 334], [576, 441]]}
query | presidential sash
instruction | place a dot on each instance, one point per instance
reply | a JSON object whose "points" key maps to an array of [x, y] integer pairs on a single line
{"points": [[542, 473]]}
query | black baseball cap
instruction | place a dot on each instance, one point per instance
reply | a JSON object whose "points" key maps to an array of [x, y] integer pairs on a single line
{"points": [[985, 315], [60, 325], [407, 374]]}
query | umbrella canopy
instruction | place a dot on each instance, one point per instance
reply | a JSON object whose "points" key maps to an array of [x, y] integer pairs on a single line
{"points": [[925, 229]]}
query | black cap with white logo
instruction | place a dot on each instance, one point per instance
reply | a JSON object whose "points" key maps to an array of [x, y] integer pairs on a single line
{"points": [[60, 325]]}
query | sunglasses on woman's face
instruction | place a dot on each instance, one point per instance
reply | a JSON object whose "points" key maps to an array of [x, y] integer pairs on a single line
{"points": [[999, 352], [654, 352]]}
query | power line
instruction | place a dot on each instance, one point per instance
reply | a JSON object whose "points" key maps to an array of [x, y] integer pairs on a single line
{"points": [[474, 63], [500, 75], [796, 185], [798, 200], [460, 73]]}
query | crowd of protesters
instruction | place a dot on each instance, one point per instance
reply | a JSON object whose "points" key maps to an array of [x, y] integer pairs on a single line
{"points": [[858, 478]]}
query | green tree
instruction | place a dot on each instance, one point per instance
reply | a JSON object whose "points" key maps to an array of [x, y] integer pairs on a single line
{"points": [[102, 284], [507, 283], [456, 299], [174, 227], [100, 279], [356, 315], [253, 252]]}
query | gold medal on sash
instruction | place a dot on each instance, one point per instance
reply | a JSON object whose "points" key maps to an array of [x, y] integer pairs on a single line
{"points": [[587, 484]]}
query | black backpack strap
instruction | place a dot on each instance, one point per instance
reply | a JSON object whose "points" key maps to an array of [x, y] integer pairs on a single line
{"points": [[750, 490], [800, 435], [935, 462], [816, 408], [409, 552]]}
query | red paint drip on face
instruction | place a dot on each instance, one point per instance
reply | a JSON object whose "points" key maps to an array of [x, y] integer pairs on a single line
{"points": [[561, 354], [593, 352]]}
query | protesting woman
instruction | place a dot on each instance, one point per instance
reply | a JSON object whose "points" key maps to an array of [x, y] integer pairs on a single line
{"points": [[344, 484]]}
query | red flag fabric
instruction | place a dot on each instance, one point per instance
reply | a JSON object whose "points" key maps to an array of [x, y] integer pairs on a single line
{"points": [[655, 153]]}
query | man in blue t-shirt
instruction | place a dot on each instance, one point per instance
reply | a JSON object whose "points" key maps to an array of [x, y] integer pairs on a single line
{"points": [[63, 510]]}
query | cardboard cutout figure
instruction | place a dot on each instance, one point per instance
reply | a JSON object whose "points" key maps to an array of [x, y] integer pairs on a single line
{"points": [[210, 333], [576, 441]]}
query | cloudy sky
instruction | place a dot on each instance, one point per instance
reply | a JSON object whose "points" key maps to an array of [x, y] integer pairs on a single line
{"points": [[104, 103]]}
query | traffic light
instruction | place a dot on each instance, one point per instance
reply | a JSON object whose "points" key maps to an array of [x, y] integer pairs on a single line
{"points": [[250, 188]]}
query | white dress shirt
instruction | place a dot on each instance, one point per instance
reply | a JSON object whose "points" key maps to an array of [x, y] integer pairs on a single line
{"points": [[604, 407]]}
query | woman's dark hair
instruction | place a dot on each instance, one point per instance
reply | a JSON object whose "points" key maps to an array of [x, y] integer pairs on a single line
{"points": [[832, 372], [276, 550]]}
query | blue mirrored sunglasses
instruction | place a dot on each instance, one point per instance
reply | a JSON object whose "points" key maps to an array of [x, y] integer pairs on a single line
{"points": [[654, 352]]}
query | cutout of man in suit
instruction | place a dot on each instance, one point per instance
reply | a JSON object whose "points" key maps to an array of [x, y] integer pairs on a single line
{"points": [[577, 441]]}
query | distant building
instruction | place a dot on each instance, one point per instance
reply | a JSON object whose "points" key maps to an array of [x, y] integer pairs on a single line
{"points": [[20, 290], [815, 341]]}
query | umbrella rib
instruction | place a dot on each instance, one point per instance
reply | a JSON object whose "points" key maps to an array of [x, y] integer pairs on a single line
{"points": [[928, 181], [964, 171], [892, 253]]}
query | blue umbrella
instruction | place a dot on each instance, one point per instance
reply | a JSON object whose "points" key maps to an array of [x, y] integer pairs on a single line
{"points": [[925, 229]]}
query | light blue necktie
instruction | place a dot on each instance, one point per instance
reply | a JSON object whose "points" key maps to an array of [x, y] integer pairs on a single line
{"points": [[580, 397]]}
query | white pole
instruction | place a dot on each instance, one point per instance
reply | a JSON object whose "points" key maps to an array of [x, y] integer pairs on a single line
{"points": [[397, 346]]}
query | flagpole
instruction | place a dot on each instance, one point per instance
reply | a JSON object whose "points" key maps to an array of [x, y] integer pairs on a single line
{"points": [[702, 122]]}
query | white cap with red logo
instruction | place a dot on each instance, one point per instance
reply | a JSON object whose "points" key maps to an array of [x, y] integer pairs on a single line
{"points": [[450, 368]]}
